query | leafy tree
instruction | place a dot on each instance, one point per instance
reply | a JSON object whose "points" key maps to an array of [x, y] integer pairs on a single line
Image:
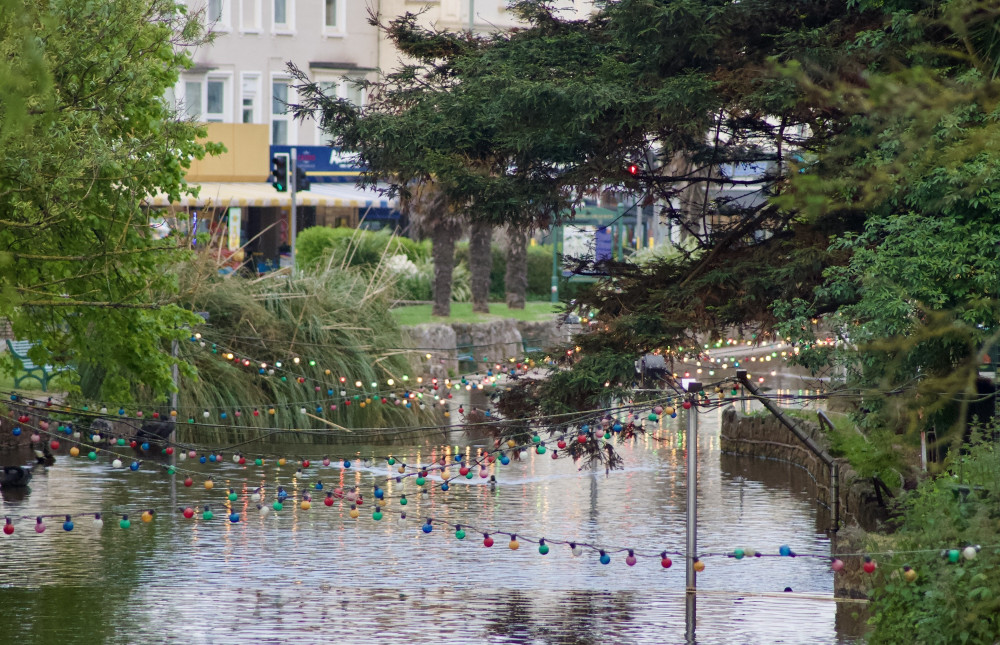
{"points": [[86, 136], [917, 303]]}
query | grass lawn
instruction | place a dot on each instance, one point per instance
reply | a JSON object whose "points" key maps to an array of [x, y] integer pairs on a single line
{"points": [[461, 312]]}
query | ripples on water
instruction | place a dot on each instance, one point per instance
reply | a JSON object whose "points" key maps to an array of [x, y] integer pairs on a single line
{"points": [[316, 576]]}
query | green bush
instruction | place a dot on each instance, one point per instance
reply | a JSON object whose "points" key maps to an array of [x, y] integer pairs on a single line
{"points": [[539, 272], [948, 601], [357, 247], [414, 281]]}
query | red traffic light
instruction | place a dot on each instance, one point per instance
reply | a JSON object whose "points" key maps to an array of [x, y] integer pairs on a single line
{"points": [[633, 169]]}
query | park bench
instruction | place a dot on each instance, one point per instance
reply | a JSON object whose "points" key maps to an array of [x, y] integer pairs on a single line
{"points": [[28, 370]]}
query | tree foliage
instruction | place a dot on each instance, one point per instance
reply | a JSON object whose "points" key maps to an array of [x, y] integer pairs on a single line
{"points": [[86, 136]]}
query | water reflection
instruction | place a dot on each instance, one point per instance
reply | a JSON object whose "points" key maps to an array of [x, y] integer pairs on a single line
{"points": [[312, 575]]}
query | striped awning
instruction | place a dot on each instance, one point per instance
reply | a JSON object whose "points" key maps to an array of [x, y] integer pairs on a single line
{"points": [[350, 195], [223, 195]]}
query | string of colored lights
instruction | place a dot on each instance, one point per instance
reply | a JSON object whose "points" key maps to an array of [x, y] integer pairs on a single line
{"points": [[604, 552], [949, 553], [555, 418], [420, 472]]}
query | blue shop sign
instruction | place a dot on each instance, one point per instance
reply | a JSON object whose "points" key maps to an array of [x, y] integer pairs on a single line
{"points": [[323, 163]]}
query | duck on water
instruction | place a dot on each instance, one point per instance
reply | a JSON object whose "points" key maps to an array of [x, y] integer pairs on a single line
{"points": [[18, 476]]}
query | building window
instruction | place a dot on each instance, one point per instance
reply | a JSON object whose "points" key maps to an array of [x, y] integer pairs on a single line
{"points": [[249, 98], [207, 99], [250, 15], [354, 92], [281, 132], [217, 14], [283, 15], [192, 100], [215, 100], [332, 20], [341, 88]]}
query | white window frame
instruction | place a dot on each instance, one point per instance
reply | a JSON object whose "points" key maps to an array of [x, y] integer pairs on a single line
{"points": [[202, 80], [341, 86], [258, 95], [255, 14], [225, 22], [340, 29], [182, 96], [226, 116], [272, 117], [288, 27]]}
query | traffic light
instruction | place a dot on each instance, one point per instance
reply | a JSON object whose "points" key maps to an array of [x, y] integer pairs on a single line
{"points": [[279, 170], [633, 169], [301, 181]]}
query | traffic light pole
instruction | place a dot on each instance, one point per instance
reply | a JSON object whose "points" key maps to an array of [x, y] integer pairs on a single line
{"points": [[293, 182]]}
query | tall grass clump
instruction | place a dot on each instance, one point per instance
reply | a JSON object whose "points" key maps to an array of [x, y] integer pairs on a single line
{"points": [[334, 319]]}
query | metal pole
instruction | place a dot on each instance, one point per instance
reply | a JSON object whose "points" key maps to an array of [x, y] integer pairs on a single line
{"points": [[691, 444], [554, 298], [175, 373], [472, 15], [638, 226], [295, 223]]}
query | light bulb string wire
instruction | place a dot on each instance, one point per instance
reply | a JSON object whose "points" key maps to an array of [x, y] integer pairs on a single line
{"points": [[481, 460], [486, 531], [493, 420]]}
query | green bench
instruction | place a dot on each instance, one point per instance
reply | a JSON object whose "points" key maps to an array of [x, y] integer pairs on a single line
{"points": [[41, 373]]}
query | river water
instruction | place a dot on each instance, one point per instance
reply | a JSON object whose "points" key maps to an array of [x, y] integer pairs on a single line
{"points": [[317, 575]]}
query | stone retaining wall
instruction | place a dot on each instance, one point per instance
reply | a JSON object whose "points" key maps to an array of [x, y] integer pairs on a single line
{"points": [[764, 436], [498, 340]]}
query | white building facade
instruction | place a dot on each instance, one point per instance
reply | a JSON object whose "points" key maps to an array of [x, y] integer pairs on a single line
{"points": [[242, 76]]}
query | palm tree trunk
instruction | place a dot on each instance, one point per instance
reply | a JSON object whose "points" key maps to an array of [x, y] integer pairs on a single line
{"points": [[443, 240], [516, 276], [480, 265]]}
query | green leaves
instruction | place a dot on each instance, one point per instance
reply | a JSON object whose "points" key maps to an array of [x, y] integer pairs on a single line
{"points": [[85, 137]]}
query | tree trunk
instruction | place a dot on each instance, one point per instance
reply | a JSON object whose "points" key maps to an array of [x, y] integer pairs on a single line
{"points": [[480, 265], [516, 277], [443, 254]]}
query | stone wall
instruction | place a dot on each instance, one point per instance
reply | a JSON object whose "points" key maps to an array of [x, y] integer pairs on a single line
{"points": [[764, 436], [497, 340]]}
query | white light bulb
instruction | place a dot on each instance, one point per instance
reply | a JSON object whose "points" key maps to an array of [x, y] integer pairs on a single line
{"points": [[969, 552], [117, 463], [182, 455], [577, 551], [255, 497], [236, 458], [264, 510]]}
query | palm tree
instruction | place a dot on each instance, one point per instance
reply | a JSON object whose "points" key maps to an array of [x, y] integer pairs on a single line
{"points": [[431, 215], [480, 264], [516, 276]]}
